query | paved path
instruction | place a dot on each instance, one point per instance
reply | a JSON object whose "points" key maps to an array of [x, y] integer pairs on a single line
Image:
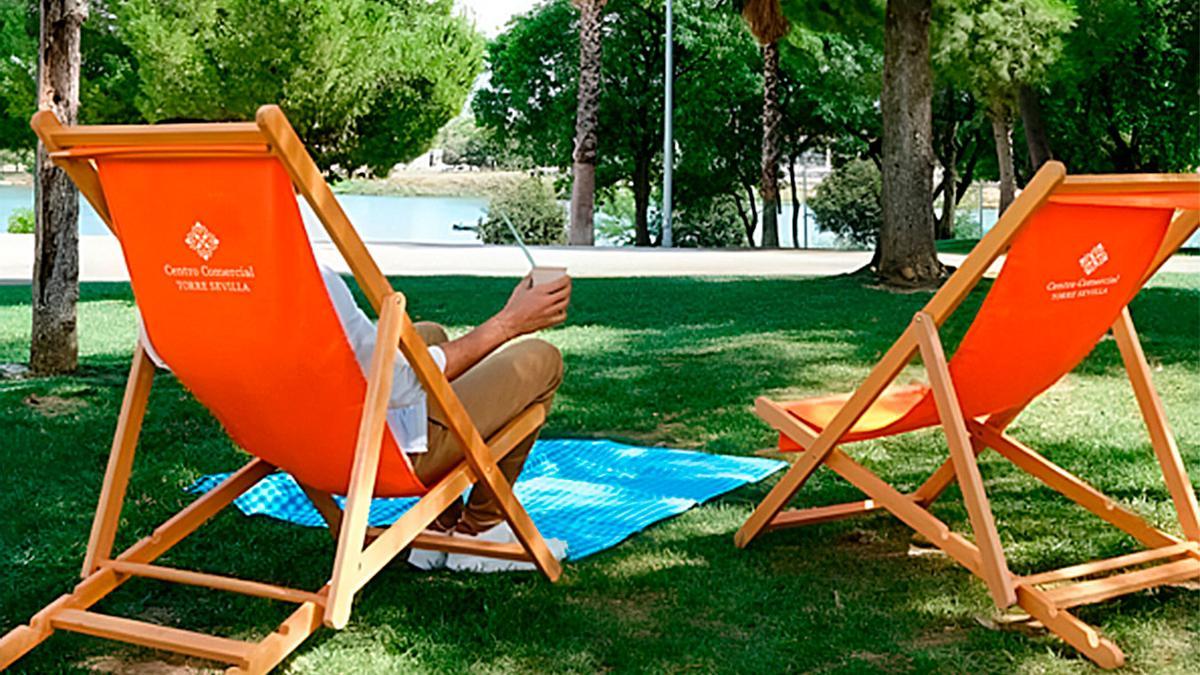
{"points": [[100, 260]]}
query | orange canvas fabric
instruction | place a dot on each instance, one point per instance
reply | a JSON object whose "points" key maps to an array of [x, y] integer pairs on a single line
{"points": [[1066, 278], [233, 302]]}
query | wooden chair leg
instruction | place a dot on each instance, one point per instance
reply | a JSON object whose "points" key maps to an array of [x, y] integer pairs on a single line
{"points": [[489, 475], [103, 581], [983, 524], [885, 371], [935, 485], [120, 461], [1071, 486], [353, 531], [324, 504], [1161, 438], [1074, 632]]}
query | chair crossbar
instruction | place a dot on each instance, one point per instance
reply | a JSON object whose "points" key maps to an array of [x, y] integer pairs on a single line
{"points": [[1099, 590], [235, 652], [449, 544], [215, 581], [1109, 564]]}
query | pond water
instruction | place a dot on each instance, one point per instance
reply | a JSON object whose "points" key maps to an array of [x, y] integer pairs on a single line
{"points": [[425, 220], [432, 220]]}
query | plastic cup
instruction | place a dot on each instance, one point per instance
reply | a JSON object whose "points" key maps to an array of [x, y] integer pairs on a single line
{"points": [[542, 275]]}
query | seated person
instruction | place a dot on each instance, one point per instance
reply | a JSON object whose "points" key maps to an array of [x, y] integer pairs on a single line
{"points": [[494, 385]]}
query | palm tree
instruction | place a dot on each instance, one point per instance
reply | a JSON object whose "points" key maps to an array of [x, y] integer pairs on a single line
{"points": [[767, 23], [587, 118]]}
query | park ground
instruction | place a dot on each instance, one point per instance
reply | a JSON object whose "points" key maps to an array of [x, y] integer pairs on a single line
{"points": [[674, 361]]}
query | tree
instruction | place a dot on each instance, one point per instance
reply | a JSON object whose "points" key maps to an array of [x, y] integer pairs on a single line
{"points": [[906, 254], [830, 92], [531, 96], [958, 143], [367, 83], [108, 77], [997, 48], [718, 126], [1124, 96], [19, 26], [583, 188], [847, 202], [768, 25], [53, 346]]}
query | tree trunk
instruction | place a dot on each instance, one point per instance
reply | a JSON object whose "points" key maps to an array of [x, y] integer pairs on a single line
{"points": [[1002, 136], [772, 120], [945, 226], [797, 201], [747, 224], [587, 118], [54, 346], [1035, 129], [751, 224], [907, 254], [641, 199]]}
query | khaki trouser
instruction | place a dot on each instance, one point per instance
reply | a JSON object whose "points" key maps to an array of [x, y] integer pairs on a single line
{"points": [[493, 392]]}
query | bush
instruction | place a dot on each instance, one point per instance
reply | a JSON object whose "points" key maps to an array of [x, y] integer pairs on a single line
{"points": [[21, 222], [847, 203], [966, 225], [615, 214], [699, 222], [533, 210], [712, 223]]}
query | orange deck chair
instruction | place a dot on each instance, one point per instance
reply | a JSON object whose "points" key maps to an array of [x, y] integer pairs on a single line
{"points": [[1078, 250], [233, 302]]}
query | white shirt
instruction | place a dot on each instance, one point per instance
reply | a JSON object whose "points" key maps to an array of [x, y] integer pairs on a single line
{"points": [[407, 413]]}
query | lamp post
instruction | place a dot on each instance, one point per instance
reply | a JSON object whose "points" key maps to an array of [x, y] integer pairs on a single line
{"points": [[668, 131]]}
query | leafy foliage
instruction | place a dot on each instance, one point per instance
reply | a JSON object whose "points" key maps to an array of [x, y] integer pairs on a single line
{"points": [[1124, 97], [21, 221], [534, 211], [992, 47], [847, 203], [365, 82], [530, 99], [463, 142], [530, 96], [709, 224], [18, 72]]}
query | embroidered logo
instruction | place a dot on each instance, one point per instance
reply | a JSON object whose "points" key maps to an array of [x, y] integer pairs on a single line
{"points": [[1093, 259], [202, 241]]}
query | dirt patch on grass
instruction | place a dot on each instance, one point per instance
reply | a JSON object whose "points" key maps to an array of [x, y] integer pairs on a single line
{"points": [[946, 636], [887, 663], [636, 615], [54, 406], [132, 666]]}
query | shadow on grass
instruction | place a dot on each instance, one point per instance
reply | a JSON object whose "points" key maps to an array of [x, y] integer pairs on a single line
{"points": [[673, 361]]}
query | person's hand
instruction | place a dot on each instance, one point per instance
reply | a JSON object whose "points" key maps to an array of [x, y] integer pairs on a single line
{"points": [[531, 308]]}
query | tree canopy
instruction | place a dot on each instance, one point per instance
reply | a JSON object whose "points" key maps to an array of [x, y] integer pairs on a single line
{"points": [[367, 83], [1126, 94]]}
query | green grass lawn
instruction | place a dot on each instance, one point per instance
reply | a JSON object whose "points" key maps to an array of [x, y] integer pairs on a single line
{"points": [[662, 361]]}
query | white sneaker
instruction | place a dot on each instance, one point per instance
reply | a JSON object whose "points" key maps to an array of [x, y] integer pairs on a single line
{"points": [[424, 559], [500, 534]]}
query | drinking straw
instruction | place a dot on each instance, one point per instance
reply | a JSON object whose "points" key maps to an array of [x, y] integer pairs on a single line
{"points": [[520, 242]]}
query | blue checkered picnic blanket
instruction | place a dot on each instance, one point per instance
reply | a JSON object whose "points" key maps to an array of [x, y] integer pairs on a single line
{"points": [[592, 494]]}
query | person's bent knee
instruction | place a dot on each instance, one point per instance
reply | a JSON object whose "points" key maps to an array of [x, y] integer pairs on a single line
{"points": [[432, 333], [549, 360]]}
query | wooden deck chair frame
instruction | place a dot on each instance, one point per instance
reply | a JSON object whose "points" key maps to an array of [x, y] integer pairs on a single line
{"points": [[361, 551], [1047, 596]]}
